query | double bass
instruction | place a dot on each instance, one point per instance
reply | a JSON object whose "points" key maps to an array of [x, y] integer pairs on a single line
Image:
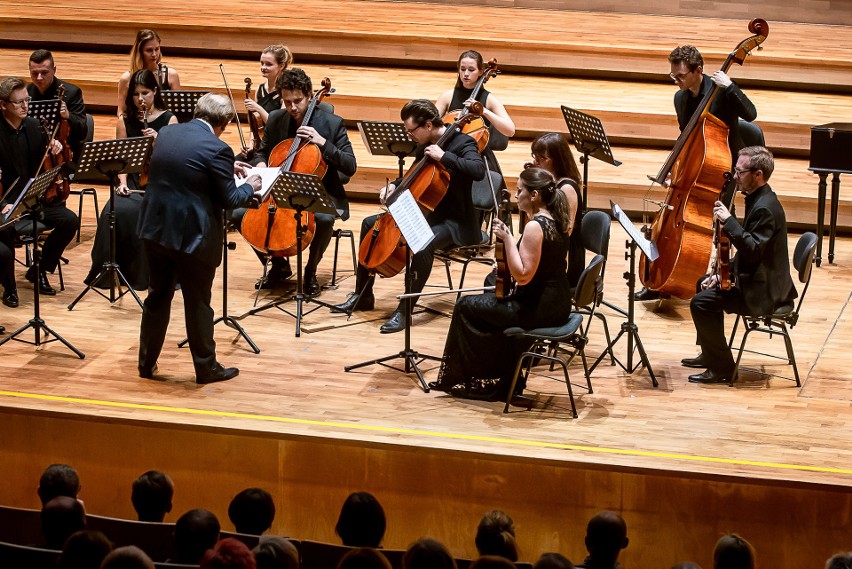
{"points": [[383, 251], [272, 230], [476, 129], [682, 229]]}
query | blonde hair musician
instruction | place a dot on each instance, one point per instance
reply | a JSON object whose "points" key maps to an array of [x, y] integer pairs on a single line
{"points": [[145, 54]]}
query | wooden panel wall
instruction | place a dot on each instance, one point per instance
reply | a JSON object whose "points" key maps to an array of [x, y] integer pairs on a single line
{"points": [[426, 492]]}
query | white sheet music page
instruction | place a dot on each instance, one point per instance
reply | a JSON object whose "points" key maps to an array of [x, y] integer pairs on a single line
{"points": [[267, 176], [411, 222]]}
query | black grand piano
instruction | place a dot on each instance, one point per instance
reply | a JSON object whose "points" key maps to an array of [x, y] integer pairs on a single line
{"points": [[831, 153]]}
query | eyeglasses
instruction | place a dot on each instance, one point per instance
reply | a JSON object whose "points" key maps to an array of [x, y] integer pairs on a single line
{"points": [[22, 102], [740, 172], [411, 131], [680, 76]]}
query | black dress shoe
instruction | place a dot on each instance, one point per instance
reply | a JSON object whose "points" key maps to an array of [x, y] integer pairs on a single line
{"points": [[311, 287], [2, 329], [366, 302], [10, 299], [646, 294], [435, 386], [479, 390], [396, 323], [712, 376], [219, 373], [274, 278], [698, 361], [147, 372]]}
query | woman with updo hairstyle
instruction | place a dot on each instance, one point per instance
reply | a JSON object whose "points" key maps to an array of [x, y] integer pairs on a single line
{"points": [[479, 359], [273, 60], [145, 54]]}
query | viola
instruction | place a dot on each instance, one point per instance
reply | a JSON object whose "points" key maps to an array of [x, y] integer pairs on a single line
{"points": [[476, 129], [722, 243], [383, 250], [60, 189], [253, 120], [682, 229], [270, 229]]}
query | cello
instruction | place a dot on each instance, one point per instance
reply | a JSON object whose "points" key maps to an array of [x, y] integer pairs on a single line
{"points": [[272, 230], [700, 157], [383, 250], [476, 129]]}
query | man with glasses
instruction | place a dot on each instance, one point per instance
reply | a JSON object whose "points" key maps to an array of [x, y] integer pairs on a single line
{"points": [[454, 221], [23, 143], [729, 105], [760, 271]]}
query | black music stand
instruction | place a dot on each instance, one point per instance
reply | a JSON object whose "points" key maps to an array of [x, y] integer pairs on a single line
{"points": [[629, 327], [29, 204], [387, 139], [47, 112], [590, 140], [105, 160], [299, 192], [182, 103], [229, 321]]}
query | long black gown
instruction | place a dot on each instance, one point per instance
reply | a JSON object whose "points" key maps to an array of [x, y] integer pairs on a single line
{"points": [[476, 347], [129, 252]]}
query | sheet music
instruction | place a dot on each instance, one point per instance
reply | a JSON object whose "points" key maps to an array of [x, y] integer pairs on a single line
{"points": [[647, 247], [267, 177], [411, 222]]}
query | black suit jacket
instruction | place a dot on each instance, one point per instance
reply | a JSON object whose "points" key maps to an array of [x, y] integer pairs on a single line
{"points": [[337, 150], [76, 109], [729, 105], [761, 266], [190, 182], [36, 142]]}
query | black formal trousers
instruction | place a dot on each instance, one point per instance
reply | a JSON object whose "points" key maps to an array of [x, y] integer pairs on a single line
{"points": [[708, 308], [64, 223], [169, 267], [7, 258]]}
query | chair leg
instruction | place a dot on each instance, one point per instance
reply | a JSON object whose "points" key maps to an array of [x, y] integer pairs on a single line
{"points": [[607, 337], [336, 235], [734, 331], [449, 276], [80, 215], [514, 381], [791, 356], [570, 390], [739, 356]]}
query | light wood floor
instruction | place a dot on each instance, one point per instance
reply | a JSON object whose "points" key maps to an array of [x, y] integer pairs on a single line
{"points": [[764, 427]]}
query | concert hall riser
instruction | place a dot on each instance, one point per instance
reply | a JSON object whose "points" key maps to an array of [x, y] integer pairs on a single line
{"points": [[682, 463]]}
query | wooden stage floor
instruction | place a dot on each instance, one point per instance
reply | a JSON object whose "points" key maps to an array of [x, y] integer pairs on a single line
{"points": [[764, 428]]}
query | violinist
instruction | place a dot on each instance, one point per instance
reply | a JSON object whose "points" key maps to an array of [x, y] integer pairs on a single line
{"points": [[729, 105], [43, 87], [328, 132], [23, 144], [478, 358], [454, 221], [145, 54], [273, 60], [760, 271], [147, 117]]}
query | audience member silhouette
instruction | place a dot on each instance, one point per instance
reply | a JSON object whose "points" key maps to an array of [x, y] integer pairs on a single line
{"points": [[553, 561], [273, 552], [84, 550], [252, 511], [228, 553], [362, 521], [152, 495], [364, 558], [840, 561], [127, 557], [195, 532], [61, 517], [427, 553], [492, 562], [496, 535], [58, 480], [689, 565], [606, 536], [733, 552]]}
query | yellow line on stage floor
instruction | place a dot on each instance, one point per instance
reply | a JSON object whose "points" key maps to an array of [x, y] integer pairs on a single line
{"points": [[421, 432]]}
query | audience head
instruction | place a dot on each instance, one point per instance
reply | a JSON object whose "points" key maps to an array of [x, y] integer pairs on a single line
{"points": [[492, 562], [58, 480], [427, 553], [152, 495], [606, 536], [733, 552], [61, 517], [127, 557], [840, 561], [195, 532], [362, 521], [496, 535], [273, 552], [364, 558], [553, 561], [252, 511], [228, 553], [687, 565], [84, 550]]}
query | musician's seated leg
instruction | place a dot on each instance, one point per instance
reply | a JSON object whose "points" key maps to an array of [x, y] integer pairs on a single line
{"points": [[64, 223], [7, 266], [362, 298], [322, 237], [708, 309], [280, 270]]}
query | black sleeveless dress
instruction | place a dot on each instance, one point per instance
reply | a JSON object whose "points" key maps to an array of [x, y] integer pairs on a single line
{"points": [[269, 101], [576, 251], [476, 347], [496, 140]]}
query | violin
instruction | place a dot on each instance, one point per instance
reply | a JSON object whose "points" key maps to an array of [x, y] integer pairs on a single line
{"points": [[272, 230], [504, 284], [245, 149], [383, 250], [476, 129], [253, 120], [60, 189]]}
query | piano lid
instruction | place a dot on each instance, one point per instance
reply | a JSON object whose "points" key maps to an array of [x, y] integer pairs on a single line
{"points": [[830, 147]]}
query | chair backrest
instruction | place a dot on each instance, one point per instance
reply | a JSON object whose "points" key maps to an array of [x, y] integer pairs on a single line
{"points": [[17, 556], [751, 133], [586, 292], [486, 194], [155, 539], [319, 555], [803, 261], [20, 525], [90, 128], [594, 232], [248, 540], [164, 565]]}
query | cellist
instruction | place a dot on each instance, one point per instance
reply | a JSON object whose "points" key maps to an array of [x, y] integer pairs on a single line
{"points": [[731, 104], [327, 131], [454, 221]]}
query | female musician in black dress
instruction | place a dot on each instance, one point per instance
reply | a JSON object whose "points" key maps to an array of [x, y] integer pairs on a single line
{"points": [[478, 359], [552, 152], [145, 54], [129, 253], [273, 60]]}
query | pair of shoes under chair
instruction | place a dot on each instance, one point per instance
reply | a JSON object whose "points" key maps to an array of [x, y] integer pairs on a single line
{"points": [[43, 284], [712, 376]]}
